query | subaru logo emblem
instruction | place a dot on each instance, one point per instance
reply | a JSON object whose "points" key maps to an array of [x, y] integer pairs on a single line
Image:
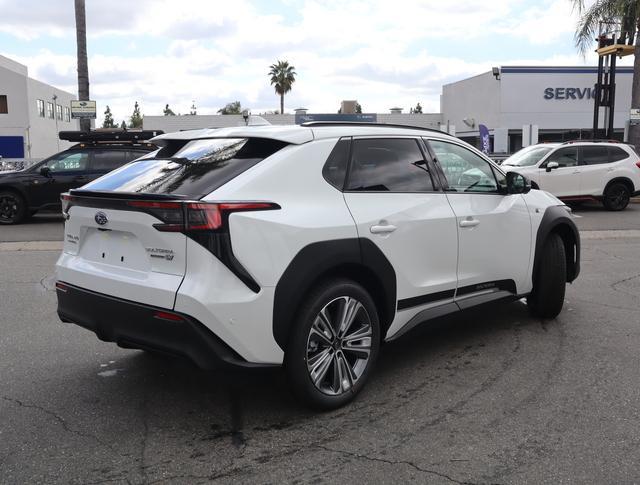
{"points": [[101, 218]]}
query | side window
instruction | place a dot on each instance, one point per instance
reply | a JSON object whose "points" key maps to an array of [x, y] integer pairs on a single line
{"points": [[107, 160], [566, 157], [595, 155], [616, 154], [464, 170], [335, 168], [388, 165], [68, 162]]}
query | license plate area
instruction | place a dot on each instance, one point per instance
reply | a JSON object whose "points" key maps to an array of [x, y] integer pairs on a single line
{"points": [[116, 248]]}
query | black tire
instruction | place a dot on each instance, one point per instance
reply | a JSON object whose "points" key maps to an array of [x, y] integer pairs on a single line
{"points": [[304, 345], [616, 197], [547, 297], [13, 208]]}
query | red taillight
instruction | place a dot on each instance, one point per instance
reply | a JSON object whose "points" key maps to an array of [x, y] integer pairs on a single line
{"points": [[61, 286], [204, 216], [67, 202], [638, 164], [172, 317]]}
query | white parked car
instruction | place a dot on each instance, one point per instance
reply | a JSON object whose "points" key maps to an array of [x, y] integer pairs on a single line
{"points": [[305, 246], [577, 171]]}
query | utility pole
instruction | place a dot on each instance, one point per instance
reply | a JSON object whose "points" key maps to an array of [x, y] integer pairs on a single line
{"points": [[83, 65], [55, 115]]}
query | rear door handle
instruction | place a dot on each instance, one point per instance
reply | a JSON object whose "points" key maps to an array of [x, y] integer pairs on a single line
{"points": [[387, 228], [469, 222]]}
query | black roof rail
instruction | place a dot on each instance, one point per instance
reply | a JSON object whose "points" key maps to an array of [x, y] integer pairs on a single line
{"points": [[595, 140], [109, 135], [365, 123]]}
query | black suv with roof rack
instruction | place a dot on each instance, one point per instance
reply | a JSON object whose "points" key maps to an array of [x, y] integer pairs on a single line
{"points": [[38, 187]]}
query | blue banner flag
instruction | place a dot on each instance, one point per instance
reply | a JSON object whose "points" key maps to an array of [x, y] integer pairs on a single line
{"points": [[484, 139]]}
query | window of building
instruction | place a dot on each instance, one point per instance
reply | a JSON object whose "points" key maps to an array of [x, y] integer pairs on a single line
{"points": [[388, 165], [40, 105], [67, 113], [59, 112], [4, 109], [50, 110]]}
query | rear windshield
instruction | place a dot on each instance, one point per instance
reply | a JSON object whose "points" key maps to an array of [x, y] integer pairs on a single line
{"points": [[194, 170]]}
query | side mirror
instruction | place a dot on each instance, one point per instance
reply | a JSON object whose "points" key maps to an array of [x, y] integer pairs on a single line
{"points": [[551, 166], [517, 183], [45, 171]]}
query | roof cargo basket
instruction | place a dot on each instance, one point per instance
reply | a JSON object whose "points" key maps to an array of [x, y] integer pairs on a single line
{"points": [[109, 135]]}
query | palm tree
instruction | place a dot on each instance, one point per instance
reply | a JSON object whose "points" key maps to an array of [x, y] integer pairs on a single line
{"points": [[282, 77], [627, 13], [83, 66]]}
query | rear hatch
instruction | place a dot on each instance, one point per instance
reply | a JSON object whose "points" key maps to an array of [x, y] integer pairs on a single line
{"points": [[126, 232]]}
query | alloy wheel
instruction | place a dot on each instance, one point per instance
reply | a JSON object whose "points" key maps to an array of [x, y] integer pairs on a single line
{"points": [[339, 345], [8, 207], [618, 198]]}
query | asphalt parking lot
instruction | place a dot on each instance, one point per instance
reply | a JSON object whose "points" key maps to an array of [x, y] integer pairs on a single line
{"points": [[489, 396]]}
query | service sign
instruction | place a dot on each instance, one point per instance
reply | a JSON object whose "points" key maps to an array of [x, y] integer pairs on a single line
{"points": [[634, 116], [83, 109]]}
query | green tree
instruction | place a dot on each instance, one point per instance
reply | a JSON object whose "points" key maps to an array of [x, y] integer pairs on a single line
{"points": [[108, 119], [81, 53], [418, 109], [135, 121], [358, 108], [231, 109], [627, 13], [283, 76], [168, 111]]}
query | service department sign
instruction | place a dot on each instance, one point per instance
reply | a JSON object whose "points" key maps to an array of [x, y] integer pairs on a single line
{"points": [[83, 109], [569, 93]]}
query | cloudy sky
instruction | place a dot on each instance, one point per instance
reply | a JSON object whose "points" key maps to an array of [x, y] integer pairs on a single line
{"points": [[383, 53]]}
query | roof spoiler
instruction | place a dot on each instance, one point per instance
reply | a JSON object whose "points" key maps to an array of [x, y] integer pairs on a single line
{"points": [[107, 135]]}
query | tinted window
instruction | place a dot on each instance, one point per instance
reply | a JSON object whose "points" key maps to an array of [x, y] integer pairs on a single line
{"points": [[594, 155], [335, 168], [107, 160], [196, 169], [565, 157], [68, 162], [389, 165], [464, 170], [616, 154]]}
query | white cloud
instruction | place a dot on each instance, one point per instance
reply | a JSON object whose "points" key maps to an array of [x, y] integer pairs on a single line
{"points": [[379, 52]]}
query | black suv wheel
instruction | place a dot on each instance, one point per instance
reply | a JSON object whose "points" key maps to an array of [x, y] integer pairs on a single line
{"points": [[13, 208], [616, 197], [334, 345], [547, 297]]}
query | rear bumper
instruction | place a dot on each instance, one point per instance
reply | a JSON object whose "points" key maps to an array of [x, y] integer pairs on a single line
{"points": [[133, 325]]}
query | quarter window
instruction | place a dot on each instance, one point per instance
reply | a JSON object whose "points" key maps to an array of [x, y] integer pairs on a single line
{"points": [[40, 106], [565, 157], [388, 165], [616, 154], [464, 170], [336, 167], [105, 161]]}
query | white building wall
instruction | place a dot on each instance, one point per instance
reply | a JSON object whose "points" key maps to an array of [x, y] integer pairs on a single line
{"points": [[476, 98], [43, 132], [39, 134]]}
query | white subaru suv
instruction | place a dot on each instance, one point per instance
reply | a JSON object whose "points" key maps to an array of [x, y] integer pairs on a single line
{"points": [[305, 246], [581, 170]]}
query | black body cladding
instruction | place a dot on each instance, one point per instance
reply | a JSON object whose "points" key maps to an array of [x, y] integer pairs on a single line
{"points": [[359, 259], [558, 219]]}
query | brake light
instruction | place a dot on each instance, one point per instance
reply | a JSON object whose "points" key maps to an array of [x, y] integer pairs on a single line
{"points": [[67, 202], [172, 317], [638, 164]]}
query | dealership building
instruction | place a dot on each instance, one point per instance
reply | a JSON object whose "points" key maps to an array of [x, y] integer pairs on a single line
{"points": [[31, 114], [519, 105]]}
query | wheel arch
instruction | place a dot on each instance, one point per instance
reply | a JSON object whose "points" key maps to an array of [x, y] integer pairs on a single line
{"points": [[356, 259], [17, 190], [624, 180], [556, 220]]}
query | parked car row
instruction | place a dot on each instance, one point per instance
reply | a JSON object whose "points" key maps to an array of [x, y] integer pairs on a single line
{"points": [[25, 191], [582, 170]]}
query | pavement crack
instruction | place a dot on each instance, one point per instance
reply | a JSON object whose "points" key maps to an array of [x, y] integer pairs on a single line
{"points": [[61, 421], [145, 437], [361, 456]]}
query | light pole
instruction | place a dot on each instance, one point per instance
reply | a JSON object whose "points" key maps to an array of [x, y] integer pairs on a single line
{"points": [[55, 117]]}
